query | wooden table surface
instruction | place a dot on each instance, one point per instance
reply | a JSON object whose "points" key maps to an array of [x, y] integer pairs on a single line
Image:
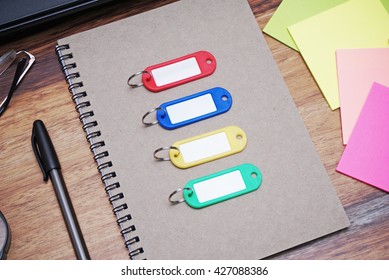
{"points": [[30, 204]]}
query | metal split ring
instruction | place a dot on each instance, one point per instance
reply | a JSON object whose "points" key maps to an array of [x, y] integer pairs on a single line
{"points": [[163, 149], [137, 74], [174, 202], [150, 112]]}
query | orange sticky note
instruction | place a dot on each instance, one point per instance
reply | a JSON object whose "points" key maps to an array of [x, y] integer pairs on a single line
{"points": [[357, 70]]}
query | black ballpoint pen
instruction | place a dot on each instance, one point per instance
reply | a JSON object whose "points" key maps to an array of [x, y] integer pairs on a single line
{"points": [[48, 161]]}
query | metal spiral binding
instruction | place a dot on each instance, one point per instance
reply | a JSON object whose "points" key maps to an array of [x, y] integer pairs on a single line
{"points": [[128, 230], [100, 155], [93, 135], [111, 187], [89, 125]]}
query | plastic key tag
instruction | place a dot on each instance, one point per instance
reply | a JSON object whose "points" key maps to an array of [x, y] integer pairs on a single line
{"points": [[192, 108], [220, 186], [205, 147], [176, 72]]}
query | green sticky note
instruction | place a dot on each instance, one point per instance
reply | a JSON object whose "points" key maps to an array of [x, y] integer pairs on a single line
{"points": [[353, 24], [290, 12], [385, 3]]}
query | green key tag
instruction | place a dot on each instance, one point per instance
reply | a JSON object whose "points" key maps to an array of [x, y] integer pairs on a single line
{"points": [[220, 186]]}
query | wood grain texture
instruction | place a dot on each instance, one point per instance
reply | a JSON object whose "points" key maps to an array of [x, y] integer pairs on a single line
{"points": [[30, 205]]}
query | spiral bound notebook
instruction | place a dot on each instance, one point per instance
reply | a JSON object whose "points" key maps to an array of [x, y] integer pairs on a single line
{"points": [[295, 203]]}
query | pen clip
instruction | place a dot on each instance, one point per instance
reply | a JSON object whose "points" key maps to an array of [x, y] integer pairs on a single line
{"points": [[37, 155]]}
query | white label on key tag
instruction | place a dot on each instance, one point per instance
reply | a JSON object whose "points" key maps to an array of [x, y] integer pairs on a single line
{"points": [[191, 108], [205, 147], [176, 71], [219, 186]]}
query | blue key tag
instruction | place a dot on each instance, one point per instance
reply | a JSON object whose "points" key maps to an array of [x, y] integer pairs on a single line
{"points": [[192, 108], [220, 186]]}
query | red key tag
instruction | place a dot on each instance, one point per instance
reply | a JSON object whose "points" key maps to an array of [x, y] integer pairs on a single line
{"points": [[176, 72]]}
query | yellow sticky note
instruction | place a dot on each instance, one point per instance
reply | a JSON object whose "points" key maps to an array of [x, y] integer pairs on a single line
{"points": [[354, 24]]}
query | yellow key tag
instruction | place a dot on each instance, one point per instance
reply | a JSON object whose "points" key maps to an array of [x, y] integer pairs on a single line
{"points": [[206, 147]]}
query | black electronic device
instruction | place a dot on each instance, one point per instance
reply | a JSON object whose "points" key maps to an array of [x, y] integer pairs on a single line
{"points": [[19, 15]]}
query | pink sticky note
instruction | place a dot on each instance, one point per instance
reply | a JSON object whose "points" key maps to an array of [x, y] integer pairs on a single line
{"points": [[366, 156], [357, 70]]}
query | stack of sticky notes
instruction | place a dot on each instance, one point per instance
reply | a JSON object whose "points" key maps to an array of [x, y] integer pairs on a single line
{"points": [[345, 44]]}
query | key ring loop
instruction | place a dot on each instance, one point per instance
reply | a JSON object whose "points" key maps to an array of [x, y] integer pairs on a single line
{"points": [[164, 149], [174, 202], [134, 75], [150, 112]]}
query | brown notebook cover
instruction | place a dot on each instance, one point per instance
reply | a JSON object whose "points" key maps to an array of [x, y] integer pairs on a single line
{"points": [[296, 202]]}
